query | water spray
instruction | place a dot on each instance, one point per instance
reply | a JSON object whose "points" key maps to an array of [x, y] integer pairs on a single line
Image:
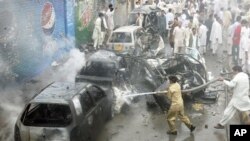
{"points": [[195, 89], [146, 93]]}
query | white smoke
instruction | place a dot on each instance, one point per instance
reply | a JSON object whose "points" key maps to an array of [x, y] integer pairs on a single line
{"points": [[68, 70], [6, 73], [11, 104], [13, 99]]}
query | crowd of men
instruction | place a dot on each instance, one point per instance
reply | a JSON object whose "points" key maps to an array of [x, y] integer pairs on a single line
{"points": [[103, 26], [193, 23], [197, 24], [217, 30]]}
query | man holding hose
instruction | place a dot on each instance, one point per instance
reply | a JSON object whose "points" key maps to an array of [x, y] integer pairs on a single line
{"points": [[177, 107], [240, 100]]}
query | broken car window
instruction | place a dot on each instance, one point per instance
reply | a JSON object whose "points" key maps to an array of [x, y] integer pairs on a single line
{"points": [[96, 93], [47, 115], [121, 37], [86, 103]]}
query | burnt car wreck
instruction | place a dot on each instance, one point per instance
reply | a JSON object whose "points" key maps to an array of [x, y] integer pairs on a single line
{"points": [[104, 68], [190, 69], [150, 40], [65, 111]]}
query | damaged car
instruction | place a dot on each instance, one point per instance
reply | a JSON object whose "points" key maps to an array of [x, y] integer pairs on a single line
{"points": [[138, 40], [150, 41], [124, 40], [103, 68], [190, 69], [65, 111], [111, 72], [150, 17]]}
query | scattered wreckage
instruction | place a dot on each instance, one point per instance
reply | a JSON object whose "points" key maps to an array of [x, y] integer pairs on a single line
{"points": [[150, 61], [190, 69], [65, 111]]}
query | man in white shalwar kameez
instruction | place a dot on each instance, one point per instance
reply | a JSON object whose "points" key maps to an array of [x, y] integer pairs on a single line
{"points": [[99, 31], [202, 38], [244, 34], [246, 63], [227, 19], [179, 36], [216, 35], [169, 21], [110, 21], [188, 32], [240, 100]]}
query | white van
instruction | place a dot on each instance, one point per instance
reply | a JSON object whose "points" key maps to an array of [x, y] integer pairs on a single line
{"points": [[124, 39]]}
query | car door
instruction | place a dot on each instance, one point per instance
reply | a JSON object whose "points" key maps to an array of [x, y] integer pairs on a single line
{"points": [[88, 112], [101, 104]]}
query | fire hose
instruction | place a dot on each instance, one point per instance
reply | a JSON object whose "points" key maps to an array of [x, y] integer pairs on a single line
{"points": [[195, 89]]}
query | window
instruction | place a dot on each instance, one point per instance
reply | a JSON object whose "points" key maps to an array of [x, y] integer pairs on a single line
{"points": [[47, 115], [121, 37], [86, 102], [99, 68], [96, 93]]}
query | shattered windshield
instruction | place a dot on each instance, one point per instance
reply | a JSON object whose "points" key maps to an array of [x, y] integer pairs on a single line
{"points": [[121, 37], [47, 115]]}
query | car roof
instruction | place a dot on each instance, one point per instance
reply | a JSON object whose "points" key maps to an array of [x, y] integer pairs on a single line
{"points": [[103, 56], [129, 28], [59, 92]]}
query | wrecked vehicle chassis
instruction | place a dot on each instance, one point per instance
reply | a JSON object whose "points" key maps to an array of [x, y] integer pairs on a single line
{"points": [[191, 73]]}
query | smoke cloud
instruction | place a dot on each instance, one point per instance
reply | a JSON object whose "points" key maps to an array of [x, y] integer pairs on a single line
{"points": [[20, 41], [14, 97], [69, 69], [11, 104]]}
